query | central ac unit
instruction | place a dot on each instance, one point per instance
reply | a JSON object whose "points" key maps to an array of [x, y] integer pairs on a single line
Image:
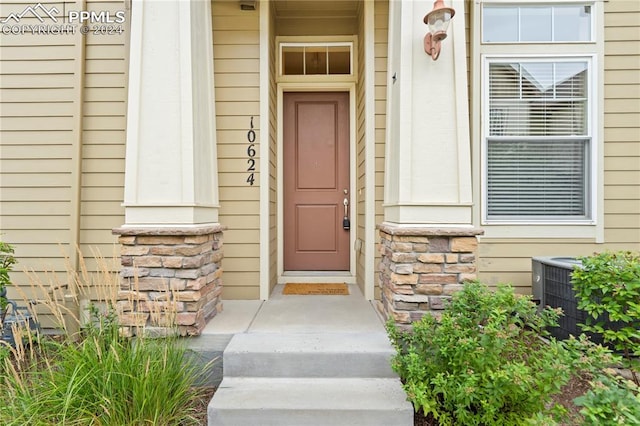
{"points": [[551, 286]]}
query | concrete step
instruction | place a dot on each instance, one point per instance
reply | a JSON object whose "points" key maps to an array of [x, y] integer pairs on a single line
{"points": [[309, 355], [265, 401]]}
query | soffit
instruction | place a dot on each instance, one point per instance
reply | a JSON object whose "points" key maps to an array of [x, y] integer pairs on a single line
{"points": [[314, 9]]}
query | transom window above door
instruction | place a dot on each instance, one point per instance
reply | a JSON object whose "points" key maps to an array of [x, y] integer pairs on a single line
{"points": [[316, 59]]}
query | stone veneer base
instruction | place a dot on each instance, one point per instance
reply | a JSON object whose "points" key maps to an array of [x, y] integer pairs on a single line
{"points": [[421, 267], [171, 278]]}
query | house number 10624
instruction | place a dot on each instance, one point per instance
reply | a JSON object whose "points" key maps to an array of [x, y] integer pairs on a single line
{"points": [[251, 153]]}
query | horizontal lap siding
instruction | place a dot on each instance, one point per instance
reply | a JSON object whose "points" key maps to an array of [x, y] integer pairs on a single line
{"points": [[622, 124], [381, 26], [505, 260], [236, 48], [40, 77], [360, 198], [103, 137], [62, 121], [273, 162]]}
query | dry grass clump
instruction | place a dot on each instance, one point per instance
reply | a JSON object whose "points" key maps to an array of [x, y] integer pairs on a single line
{"points": [[90, 372]]}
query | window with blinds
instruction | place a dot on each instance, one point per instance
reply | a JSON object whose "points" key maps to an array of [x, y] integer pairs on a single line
{"points": [[538, 140]]}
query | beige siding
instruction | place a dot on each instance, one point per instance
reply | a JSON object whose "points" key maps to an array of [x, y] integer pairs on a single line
{"points": [[103, 137], [273, 179], [62, 112], [236, 48], [360, 197], [622, 124], [507, 260], [381, 26], [40, 81], [37, 112]]}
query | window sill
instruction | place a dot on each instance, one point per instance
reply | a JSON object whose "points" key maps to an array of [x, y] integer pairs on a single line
{"points": [[540, 230]]}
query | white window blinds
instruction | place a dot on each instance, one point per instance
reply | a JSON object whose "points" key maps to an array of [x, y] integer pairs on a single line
{"points": [[537, 178], [538, 99], [538, 140]]}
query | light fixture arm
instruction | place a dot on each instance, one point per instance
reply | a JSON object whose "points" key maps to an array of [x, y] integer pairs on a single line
{"points": [[438, 21], [432, 45]]}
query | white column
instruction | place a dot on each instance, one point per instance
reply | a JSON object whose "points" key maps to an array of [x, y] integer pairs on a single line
{"points": [[428, 153], [171, 164]]}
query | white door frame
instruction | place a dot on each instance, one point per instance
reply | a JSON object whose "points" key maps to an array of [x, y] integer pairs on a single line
{"points": [[369, 216], [321, 276]]}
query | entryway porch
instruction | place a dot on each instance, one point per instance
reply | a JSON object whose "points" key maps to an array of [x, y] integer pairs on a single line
{"points": [[303, 360]]}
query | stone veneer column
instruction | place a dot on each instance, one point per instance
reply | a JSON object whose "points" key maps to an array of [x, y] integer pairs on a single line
{"points": [[422, 267], [171, 240], [171, 279]]}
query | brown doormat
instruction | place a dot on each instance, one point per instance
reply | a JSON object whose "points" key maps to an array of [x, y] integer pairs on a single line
{"points": [[340, 289]]}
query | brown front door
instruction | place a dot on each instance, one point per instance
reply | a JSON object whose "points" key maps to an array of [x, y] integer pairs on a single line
{"points": [[316, 176]]}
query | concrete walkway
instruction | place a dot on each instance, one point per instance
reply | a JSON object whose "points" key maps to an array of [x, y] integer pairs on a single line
{"points": [[293, 313], [303, 360]]}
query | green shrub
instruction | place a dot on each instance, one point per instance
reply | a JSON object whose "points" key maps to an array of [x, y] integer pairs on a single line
{"points": [[483, 362], [610, 401], [7, 260], [609, 283]]}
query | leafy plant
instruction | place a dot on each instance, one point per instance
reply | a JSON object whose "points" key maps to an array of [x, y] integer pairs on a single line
{"points": [[612, 400], [608, 287], [7, 260], [104, 379], [97, 376], [483, 362]]}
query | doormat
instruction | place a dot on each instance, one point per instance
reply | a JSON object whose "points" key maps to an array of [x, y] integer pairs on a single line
{"points": [[340, 289]]}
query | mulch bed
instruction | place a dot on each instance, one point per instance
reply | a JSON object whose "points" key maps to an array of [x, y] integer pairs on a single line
{"points": [[200, 404]]}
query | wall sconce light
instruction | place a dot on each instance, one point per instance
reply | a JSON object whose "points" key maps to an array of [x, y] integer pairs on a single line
{"points": [[248, 4], [438, 21]]}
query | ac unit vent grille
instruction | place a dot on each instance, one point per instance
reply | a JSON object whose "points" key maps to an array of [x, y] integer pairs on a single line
{"points": [[552, 285], [558, 293]]}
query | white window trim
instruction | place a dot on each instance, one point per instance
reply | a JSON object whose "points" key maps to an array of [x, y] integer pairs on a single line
{"points": [[593, 232], [591, 134], [316, 41]]}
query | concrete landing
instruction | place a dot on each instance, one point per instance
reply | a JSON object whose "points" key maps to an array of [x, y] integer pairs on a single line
{"points": [[305, 360]]}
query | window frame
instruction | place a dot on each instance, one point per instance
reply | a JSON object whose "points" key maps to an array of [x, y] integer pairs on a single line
{"points": [[315, 41], [591, 134], [538, 3], [593, 232]]}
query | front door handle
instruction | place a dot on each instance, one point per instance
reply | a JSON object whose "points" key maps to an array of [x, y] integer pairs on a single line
{"points": [[346, 223]]}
